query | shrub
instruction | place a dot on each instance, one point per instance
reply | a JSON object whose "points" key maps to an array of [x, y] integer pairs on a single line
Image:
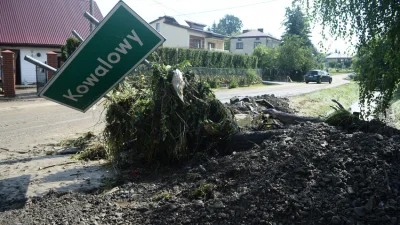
{"points": [[252, 77], [203, 58], [233, 83], [213, 82]]}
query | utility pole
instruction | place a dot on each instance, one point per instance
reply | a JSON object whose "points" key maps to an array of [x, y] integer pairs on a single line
{"points": [[92, 13]]}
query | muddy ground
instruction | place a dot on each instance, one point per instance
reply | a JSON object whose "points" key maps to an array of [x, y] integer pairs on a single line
{"points": [[309, 174]]}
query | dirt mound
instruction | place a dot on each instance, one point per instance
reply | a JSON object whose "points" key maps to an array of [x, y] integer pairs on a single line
{"points": [[309, 174], [257, 104]]}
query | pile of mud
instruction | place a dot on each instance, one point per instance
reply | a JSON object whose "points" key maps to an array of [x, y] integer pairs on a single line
{"points": [[309, 174]]}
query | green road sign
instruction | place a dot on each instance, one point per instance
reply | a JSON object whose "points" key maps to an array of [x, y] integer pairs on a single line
{"points": [[116, 47]]}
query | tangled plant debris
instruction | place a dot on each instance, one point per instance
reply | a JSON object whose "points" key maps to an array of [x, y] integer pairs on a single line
{"points": [[147, 121]]}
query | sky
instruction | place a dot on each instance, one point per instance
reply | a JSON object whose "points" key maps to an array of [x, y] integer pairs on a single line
{"points": [[266, 14]]}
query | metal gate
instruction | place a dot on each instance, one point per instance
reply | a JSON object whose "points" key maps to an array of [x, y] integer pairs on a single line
{"points": [[41, 78], [1, 75]]}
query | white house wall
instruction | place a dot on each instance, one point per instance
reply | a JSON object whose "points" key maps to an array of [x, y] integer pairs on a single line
{"points": [[248, 44], [175, 36], [180, 37], [28, 70]]}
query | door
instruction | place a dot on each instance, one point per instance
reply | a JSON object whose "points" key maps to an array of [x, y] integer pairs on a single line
{"points": [[17, 66]]}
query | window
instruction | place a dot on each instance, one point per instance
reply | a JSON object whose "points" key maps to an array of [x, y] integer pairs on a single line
{"points": [[239, 39], [158, 26], [257, 38], [211, 46], [256, 44], [197, 43], [239, 45]]}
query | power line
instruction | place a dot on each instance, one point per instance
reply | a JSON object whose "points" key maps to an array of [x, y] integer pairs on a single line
{"points": [[235, 7], [168, 7]]}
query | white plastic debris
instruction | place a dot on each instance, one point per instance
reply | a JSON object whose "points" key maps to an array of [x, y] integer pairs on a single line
{"points": [[178, 83]]}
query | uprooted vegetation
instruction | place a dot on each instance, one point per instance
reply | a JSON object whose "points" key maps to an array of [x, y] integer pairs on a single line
{"points": [[87, 147], [147, 121]]}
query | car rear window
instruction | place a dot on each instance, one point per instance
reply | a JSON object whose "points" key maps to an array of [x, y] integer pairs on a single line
{"points": [[312, 73]]}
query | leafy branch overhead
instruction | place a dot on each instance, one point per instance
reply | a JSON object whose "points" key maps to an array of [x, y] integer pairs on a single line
{"points": [[376, 26]]}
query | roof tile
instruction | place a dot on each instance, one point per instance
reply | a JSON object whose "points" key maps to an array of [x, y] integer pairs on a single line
{"points": [[43, 22]]}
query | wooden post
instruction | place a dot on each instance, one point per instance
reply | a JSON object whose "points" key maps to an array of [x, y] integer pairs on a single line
{"points": [[51, 61], [9, 73]]}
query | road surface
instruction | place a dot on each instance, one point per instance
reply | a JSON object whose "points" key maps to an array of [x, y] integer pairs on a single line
{"points": [[27, 124], [285, 90]]}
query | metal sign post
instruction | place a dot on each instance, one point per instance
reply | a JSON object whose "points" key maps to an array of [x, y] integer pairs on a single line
{"points": [[121, 42]]}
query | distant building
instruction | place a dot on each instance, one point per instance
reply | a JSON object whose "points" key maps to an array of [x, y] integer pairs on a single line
{"points": [[191, 35], [246, 42], [35, 27], [337, 57]]}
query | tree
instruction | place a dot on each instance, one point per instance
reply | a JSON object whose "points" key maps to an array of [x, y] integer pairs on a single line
{"points": [[376, 24], [267, 57], [297, 23], [213, 28], [228, 25], [69, 48], [294, 56]]}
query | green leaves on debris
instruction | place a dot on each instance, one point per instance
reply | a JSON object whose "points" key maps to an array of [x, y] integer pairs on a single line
{"points": [[146, 120]]}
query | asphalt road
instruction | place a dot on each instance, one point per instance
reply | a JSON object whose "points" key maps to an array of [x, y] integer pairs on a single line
{"points": [[288, 89], [24, 124]]}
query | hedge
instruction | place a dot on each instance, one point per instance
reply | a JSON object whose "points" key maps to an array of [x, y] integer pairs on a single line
{"points": [[204, 58]]}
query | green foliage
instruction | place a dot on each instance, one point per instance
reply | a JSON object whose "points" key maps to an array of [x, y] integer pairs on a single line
{"points": [[233, 83], [203, 58], [252, 77], [94, 151], [340, 117], [214, 83], [347, 63], [71, 45], [204, 191], [376, 24], [267, 57], [81, 142], [297, 23], [148, 121], [377, 73], [294, 56], [332, 64], [228, 25]]}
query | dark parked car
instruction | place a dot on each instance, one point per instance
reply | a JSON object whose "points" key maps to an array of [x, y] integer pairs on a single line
{"points": [[318, 76]]}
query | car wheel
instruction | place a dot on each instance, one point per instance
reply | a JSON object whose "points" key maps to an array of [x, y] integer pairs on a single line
{"points": [[306, 82], [330, 81], [319, 81]]}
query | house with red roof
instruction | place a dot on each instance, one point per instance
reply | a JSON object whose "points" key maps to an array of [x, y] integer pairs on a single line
{"points": [[35, 27]]}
